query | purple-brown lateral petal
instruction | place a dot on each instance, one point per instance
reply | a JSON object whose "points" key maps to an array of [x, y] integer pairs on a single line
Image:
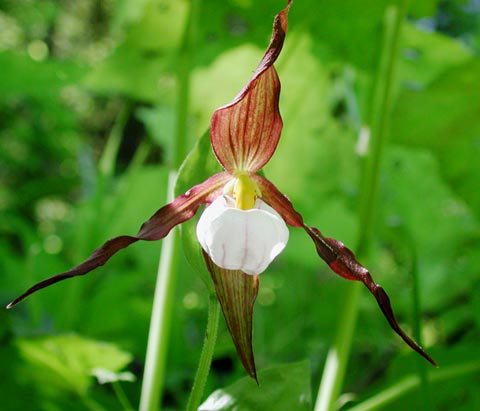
{"points": [[158, 226], [278, 201], [339, 258], [245, 132], [343, 262], [237, 292]]}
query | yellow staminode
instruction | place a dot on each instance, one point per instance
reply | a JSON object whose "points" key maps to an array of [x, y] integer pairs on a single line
{"points": [[245, 192]]}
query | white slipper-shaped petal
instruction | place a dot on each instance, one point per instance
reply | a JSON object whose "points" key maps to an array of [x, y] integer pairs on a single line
{"points": [[246, 240]]}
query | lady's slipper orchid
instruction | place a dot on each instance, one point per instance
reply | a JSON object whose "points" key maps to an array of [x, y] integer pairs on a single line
{"points": [[243, 227]]}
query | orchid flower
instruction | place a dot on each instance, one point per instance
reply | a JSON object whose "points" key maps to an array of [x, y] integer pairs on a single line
{"points": [[244, 225]]}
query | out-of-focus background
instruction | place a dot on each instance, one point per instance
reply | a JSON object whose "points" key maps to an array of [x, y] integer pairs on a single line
{"points": [[88, 94]]}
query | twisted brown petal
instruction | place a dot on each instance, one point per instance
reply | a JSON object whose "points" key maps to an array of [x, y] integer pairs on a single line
{"points": [[339, 258], [157, 227], [245, 132], [237, 292]]}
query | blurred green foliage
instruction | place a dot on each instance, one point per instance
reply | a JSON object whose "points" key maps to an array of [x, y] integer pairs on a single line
{"points": [[87, 117]]}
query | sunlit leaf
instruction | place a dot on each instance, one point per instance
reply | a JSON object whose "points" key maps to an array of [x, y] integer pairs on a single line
{"points": [[66, 362]]}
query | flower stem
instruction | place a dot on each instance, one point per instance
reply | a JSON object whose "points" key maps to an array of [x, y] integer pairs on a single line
{"points": [[158, 336], [338, 355], [206, 355]]}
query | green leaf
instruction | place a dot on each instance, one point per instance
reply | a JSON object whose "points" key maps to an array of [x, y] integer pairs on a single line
{"points": [[198, 166], [66, 362], [444, 118], [282, 388], [426, 55], [341, 33], [439, 227]]}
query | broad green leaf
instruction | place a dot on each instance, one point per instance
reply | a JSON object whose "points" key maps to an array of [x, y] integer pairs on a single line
{"points": [[348, 30], [438, 228], [426, 55], [282, 388], [66, 362], [444, 118], [422, 8]]}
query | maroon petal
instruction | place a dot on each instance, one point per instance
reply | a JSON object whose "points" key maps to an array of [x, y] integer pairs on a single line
{"points": [[343, 262], [339, 258], [280, 202], [237, 292], [245, 132], [158, 226]]}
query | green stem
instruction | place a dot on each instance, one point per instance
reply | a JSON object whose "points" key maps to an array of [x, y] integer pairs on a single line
{"points": [[121, 396], [338, 355], [379, 114], [90, 403], [206, 355], [184, 69], [158, 337], [427, 403], [106, 165], [412, 382]]}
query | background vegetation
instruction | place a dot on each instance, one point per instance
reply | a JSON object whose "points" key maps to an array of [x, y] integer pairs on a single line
{"points": [[89, 91]]}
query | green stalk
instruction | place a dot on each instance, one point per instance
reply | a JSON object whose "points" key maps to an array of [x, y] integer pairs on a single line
{"points": [[338, 355], [184, 68], [90, 403], [121, 396], [427, 403], [158, 337], [108, 160], [206, 355]]}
